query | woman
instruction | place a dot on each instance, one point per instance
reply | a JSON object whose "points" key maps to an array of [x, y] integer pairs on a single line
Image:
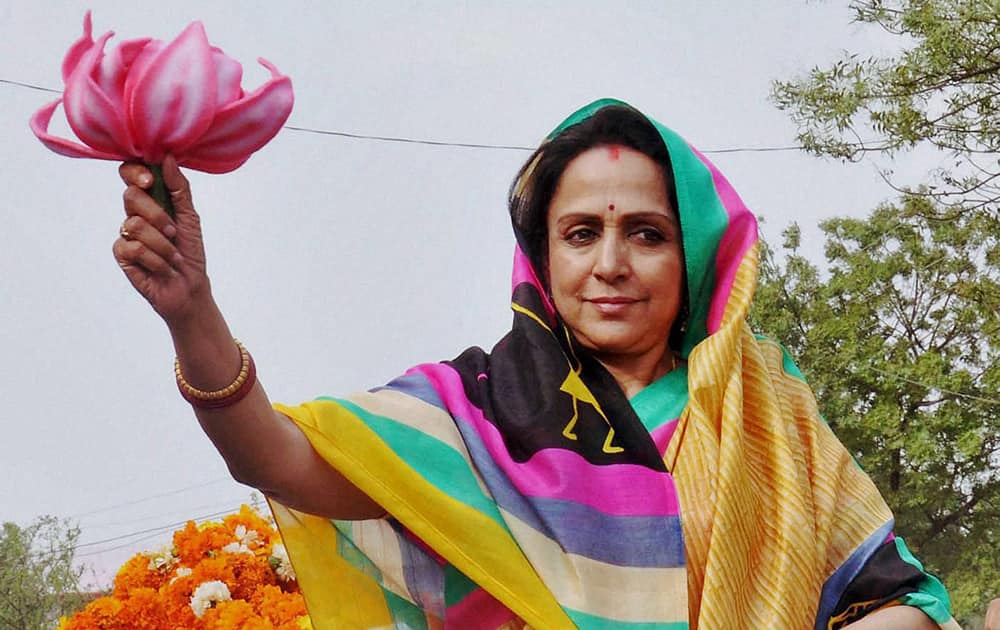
{"points": [[629, 455]]}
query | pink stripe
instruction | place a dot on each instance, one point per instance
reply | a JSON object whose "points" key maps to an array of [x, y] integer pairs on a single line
{"points": [[525, 272], [662, 435], [619, 489], [740, 236], [477, 611]]}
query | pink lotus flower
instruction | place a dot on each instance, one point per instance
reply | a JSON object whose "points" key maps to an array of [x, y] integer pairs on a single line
{"points": [[147, 98]]}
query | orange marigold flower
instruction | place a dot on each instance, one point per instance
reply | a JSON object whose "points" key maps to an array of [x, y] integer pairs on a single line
{"points": [[251, 522], [100, 614], [250, 573], [144, 609], [282, 608], [235, 615], [193, 543], [135, 573]]}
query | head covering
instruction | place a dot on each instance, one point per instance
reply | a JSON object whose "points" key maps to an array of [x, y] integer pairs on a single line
{"points": [[522, 485]]}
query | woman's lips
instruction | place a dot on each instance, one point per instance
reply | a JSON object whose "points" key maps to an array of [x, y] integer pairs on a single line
{"points": [[611, 305]]}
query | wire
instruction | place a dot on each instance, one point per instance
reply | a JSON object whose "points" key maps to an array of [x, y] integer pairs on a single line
{"points": [[436, 143], [152, 530], [151, 497], [30, 86]]}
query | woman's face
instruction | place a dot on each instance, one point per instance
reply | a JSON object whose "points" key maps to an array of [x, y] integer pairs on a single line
{"points": [[615, 259]]}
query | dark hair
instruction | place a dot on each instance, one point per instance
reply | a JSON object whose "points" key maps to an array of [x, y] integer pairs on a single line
{"points": [[535, 184]]}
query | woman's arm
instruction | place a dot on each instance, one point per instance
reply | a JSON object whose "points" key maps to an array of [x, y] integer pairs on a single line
{"points": [[894, 618], [164, 259]]}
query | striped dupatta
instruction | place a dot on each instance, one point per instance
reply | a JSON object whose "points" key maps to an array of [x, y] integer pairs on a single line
{"points": [[523, 488]]}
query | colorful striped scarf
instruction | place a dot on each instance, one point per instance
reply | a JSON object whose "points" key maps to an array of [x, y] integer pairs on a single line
{"points": [[522, 487]]}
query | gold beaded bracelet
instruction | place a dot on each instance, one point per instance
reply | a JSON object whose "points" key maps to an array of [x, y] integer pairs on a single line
{"points": [[228, 395]]}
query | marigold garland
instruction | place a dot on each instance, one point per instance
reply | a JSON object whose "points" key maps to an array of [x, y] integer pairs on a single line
{"points": [[184, 585]]}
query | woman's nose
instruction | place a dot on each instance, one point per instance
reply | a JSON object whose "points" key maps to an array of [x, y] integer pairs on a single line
{"points": [[612, 258]]}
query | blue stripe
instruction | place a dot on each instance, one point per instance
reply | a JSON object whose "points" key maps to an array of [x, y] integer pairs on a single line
{"points": [[415, 385], [424, 576], [837, 583], [628, 541]]}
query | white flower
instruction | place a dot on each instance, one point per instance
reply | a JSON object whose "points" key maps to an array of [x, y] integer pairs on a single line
{"points": [[162, 559], [246, 537], [181, 572], [207, 595], [281, 564], [235, 547]]}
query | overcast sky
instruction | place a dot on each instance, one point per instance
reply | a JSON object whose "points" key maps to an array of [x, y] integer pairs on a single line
{"points": [[341, 262]]}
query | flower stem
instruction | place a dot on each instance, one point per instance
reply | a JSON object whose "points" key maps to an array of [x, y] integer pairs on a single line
{"points": [[159, 190]]}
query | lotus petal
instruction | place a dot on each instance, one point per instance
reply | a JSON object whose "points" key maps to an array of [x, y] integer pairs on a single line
{"points": [[93, 116], [228, 74], [248, 124], [171, 103], [39, 124], [115, 67], [78, 48]]}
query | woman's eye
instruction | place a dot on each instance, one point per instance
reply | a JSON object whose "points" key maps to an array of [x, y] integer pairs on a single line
{"points": [[582, 235], [650, 235]]}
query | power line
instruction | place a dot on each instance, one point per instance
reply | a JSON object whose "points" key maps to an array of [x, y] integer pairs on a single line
{"points": [[437, 143], [145, 534], [30, 86], [171, 513], [150, 498], [154, 530]]}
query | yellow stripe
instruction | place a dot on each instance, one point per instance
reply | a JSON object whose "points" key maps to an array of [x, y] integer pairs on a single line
{"points": [[520, 309], [474, 543], [422, 416], [337, 594]]}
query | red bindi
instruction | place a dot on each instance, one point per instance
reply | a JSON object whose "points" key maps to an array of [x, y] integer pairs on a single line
{"points": [[611, 207]]}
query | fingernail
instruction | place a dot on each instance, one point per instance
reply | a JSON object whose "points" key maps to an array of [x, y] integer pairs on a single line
{"points": [[170, 231], [177, 259], [145, 180]]}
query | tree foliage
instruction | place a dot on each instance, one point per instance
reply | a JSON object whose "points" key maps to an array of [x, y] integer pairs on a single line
{"points": [[942, 89], [38, 580], [901, 343]]}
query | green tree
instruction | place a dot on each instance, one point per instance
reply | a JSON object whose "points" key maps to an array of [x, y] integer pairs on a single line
{"points": [[942, 89], [38, 579], [901, 343]]}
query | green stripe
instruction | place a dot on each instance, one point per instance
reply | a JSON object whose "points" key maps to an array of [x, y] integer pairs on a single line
{"points": [[438, 463], [456, 586], [932, 598], [347, 550], [404, 614], [662, 400], [703, 222], [586, 621]]}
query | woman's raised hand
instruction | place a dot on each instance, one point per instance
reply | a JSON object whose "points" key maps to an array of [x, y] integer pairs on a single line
{"points": [[163, 258]]}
